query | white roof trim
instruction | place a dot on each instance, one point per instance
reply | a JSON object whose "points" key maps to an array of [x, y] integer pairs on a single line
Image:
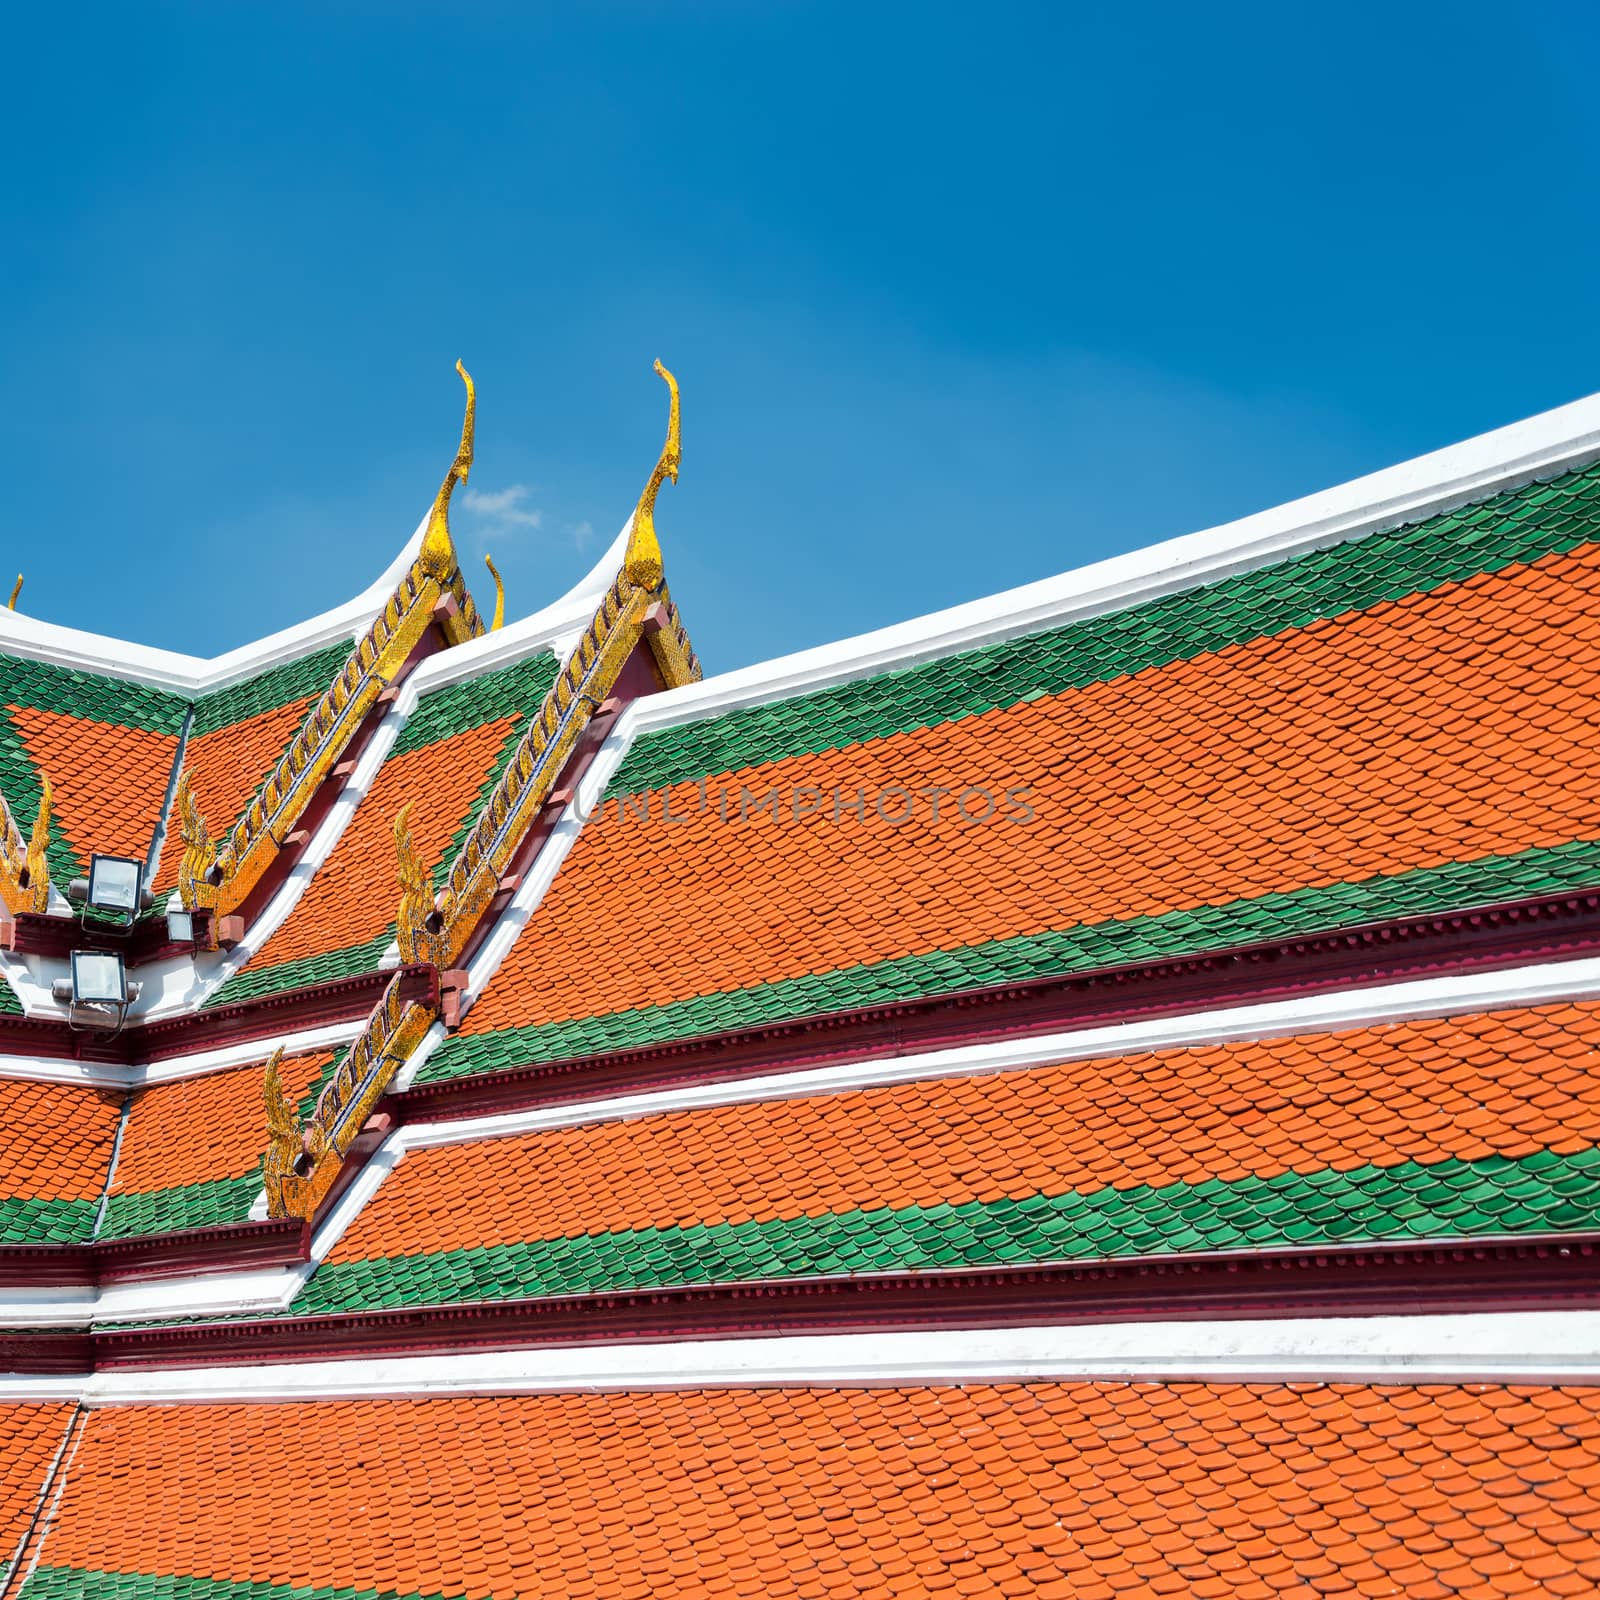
{"points": [[1544, 1347], [1542, 446], [24, 635], [1457, 995]]}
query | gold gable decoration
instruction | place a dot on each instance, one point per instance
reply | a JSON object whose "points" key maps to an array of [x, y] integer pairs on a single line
{"points": [[435, 929], [438, 553], [642, 563], [220, 873], [24, 863], [283, 1134], [302, 1164], [416, 889], [499, 596]]}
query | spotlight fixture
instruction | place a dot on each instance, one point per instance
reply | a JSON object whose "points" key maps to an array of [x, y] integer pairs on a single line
{"points": [[98, 993], [115, 884], [180, 927]]}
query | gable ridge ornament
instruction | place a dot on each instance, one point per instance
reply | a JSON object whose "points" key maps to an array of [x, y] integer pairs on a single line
{"points": [[284, 1142], [499, 596], [16, 591], [416, 891], [438, 554], [199, 853], [37, 863], [642, 563]]}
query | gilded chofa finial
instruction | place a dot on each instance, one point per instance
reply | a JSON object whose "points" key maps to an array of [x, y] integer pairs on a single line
{"points": [[499, 595], [16, 589], [643, 560], [438, 555]]}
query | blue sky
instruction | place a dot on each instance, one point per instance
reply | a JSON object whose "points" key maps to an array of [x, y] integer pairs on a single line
{"points": [[959, 296]]}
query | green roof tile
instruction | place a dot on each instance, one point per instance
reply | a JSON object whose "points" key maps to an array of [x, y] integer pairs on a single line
{"points": [[1519, 526], [24, 1220], [304, 971], [77, 1583], [1447, 1200], [266, 691], [1079, 949], [193, 1205]]}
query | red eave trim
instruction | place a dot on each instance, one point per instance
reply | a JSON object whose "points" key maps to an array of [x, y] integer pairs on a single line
{"points": [[38, 933], [1550, 928], [227, 1248], [46, 1352], [1368, 1280]]}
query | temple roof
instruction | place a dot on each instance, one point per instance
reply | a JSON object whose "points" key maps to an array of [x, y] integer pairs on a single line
{"points": [[1399, 724], [1090, 1092]]}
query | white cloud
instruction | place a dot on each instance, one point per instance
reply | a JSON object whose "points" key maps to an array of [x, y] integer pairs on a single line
{"points": [[504, 508], [582, 534]]}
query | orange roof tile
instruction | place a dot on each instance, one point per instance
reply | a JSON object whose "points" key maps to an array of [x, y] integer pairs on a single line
{"points": [[109, 782], [1507, 1084], [1060, 1489], [30, 1434], [352, 899], [57, 1139], [199, 1129], [227, 765], [1449, 726]]}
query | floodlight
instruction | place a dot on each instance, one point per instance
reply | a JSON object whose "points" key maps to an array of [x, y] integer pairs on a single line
{"points": [[114, 883], [180, 927], [98, 979], [98, 992]]}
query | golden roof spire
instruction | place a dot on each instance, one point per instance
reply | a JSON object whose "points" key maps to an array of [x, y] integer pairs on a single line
{"points": [[16, 589], [438, 555], [499, 595], [642, 563]]}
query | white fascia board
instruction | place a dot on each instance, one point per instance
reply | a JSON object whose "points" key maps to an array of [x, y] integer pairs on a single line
{"points": [[24, 635], [1415, 999], [186, 674], [197, 1064], [1543, 1347], [69, 1305], [1555, 441]]}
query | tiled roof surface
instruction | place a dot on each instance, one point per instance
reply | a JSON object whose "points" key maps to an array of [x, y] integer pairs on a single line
{"points": [[445, 761], [289, 683], [1424, 1129], [108, 784], [1307, 765], [227, 766], [108, 746], [1054, 1490], [30, 1435], [1515, 528], [191, 1153], [55, 1154]]}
